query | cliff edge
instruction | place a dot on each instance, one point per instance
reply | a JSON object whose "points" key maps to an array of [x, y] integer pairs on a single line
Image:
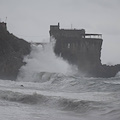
{"points": [[12, 52]]}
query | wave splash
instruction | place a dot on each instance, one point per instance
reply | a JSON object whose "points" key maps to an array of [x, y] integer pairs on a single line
{"points": [[50, 101], [42, 59]]}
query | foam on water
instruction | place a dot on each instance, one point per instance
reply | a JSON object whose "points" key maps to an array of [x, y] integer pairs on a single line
{"points": [[83, 105], [42, 59]]}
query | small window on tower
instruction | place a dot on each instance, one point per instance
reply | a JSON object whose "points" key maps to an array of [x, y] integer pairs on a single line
{"points": [[68, 45]]}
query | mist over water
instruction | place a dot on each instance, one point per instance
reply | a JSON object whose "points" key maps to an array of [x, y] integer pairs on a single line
{"points": [[42, 59]]}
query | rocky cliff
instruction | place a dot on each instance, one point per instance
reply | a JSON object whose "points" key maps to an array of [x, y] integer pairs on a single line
{"points": [[12, 51]]}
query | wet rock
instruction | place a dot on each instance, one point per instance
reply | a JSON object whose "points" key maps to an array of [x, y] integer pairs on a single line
{"points": [[12, 52]]}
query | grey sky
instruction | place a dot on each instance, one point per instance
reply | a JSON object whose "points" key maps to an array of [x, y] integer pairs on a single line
{"points": [[30, 19]]}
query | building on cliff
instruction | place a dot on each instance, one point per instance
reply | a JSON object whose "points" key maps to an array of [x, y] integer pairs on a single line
{"points": [[81, 49], [77, 47]]}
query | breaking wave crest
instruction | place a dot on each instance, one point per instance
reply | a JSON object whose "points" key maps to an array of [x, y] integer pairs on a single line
{"points": [[42, 59], [22, 98], [71, 83], [50, 101]]}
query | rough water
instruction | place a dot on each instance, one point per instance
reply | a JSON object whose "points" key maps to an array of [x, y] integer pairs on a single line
{"points": [[48, 88]]}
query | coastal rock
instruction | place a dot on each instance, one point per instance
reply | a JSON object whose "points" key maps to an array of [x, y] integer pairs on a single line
{"points": [[12, 52]]}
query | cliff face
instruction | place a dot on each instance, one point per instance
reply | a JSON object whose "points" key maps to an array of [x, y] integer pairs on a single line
{"points": [[12, 51], [75, 47]]}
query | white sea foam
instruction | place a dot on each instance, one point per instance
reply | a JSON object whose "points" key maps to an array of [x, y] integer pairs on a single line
{"points": [[43, 59], [118, 74]]}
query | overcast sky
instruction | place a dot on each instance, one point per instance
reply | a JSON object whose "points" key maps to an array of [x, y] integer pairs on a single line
{"points": [[30, 19]]}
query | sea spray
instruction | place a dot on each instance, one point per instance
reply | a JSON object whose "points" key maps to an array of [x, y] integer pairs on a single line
{"points": [[43, 60]]}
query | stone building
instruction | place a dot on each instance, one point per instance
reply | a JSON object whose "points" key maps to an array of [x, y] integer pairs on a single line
{"points": [[77, 47]]}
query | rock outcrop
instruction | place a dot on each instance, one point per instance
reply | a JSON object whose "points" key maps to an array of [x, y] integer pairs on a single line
{"points": [[12, 52]]}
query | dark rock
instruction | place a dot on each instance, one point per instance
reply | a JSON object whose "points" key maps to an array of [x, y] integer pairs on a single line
{"points": [[12, 52]]}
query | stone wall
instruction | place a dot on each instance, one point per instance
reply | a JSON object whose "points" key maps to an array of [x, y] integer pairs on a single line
{"points": [[83, 52]]}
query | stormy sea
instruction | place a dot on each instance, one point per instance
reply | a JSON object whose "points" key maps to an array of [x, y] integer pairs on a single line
{"points": [[48, 88]]}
